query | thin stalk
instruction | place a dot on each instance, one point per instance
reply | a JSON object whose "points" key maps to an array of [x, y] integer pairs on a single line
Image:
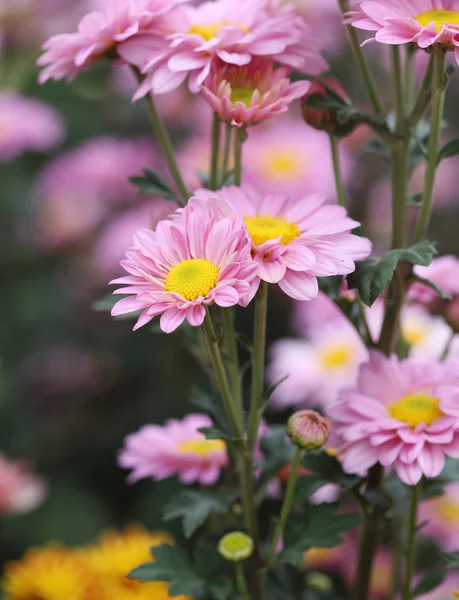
{"points": [[438, 102], [165, 142], [423, 95], [241, 583], [238, 143], [226, 152], [341, 194], [286, 505], [220, 373], [258, 363], [216, 129], [409, 78], [362, 64], [447, 349], [229, 337], [411, 553]]}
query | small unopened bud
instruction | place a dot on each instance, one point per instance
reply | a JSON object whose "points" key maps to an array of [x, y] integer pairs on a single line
{"points": [[308, 430], [236, 546], [325, 119], [451, 313]]}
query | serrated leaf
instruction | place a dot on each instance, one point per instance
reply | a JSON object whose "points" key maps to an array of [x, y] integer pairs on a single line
{"points": [[372, 276], [194, 507], [173, 566], [322, 529], [443, 295], [428, 583], [152, 184], [450, 149], [344, 112], [452, 559]]}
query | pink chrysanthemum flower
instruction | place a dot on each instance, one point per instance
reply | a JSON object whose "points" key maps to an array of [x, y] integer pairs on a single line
{"points": [[176, 448], [401, 414], [441, 518], [183, 267], [235, 31], [21, 491], [98, 35], [294, 241], [423, 22], [252, 93]]}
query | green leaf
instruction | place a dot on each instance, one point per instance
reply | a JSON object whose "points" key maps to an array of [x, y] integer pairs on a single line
{"points": [[377, 147], [215, 433], [450, 149], [373, 276], [452, 559], [323, 529], [344, 112], [429, 582], [173, 566], [152, 184], [443, 295], [277, 451], [194, 507]]}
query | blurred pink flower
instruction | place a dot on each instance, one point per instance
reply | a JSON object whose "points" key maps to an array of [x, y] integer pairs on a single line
{"points": [[441, 518], [318, 368], [294, 241], [423, 22], [287, 154], [234, 31], [175, 448], [308, 316], [401, 414], [249, 94], [98, 35], [21, 491], [77, 190], [183, 267], [443, 271], [27, 124]]}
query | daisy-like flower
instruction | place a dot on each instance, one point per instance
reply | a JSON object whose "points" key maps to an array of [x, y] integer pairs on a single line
{"points": [[98, 36], [176, 448], [294, 241], [183, 267], [252, 93], [423, 22], [235, 31], [401, 414]]}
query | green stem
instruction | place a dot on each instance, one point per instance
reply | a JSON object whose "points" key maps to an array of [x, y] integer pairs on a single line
{"points": [[216, 128], [240, 581], [165, 142], [411, 553], [229, 336], [447, 349], [286, 505], [241, 136], [341, 194], [423, 96], [438, 101], [220, 373], [409, 78], [362, 64], [226, 152], [258, 363]]}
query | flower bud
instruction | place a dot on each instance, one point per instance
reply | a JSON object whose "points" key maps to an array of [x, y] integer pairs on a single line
{"points": [[308, 430], [325, 119], [451, 312], [236, 546]]}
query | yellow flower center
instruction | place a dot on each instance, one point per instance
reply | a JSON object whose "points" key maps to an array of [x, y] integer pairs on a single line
{"points": [[281, 164], [202, 447], [416, 409], [336, 357], [192, 278], [210, 31], [244, 95], [449, 511], [440, 17], [262, 229], [413, 335]]}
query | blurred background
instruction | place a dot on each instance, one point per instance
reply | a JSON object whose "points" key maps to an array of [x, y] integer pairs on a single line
{"points": [[73, 381]]}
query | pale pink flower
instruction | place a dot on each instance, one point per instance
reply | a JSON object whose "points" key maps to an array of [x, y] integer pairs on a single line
{"points": [[401, 414], [21, 491], [98, 36], [183, 267], [27, 124], [423, 22], [249, 94], [441, 518], [235, 31], [317, 368], [287, 154], [310, 316], [443, 271], [175, 448], [294, 241]]}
